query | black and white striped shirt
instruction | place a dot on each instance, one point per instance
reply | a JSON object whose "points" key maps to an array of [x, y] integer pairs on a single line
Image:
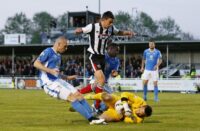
{"points": [[99, 37]]}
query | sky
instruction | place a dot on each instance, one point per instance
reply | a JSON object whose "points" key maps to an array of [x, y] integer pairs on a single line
{"points": [[185, 12]]}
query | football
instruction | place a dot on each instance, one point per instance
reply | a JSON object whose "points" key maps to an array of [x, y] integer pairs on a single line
{"points": [[119, 107]]}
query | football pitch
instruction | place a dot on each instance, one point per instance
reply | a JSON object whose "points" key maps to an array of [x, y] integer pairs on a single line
{"points": [[33, 110]]}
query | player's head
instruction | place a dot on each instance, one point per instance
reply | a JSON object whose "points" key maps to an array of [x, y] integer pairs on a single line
{"points": [[152, 44], [107, 19], [112, 49], [61, 44], [114, 73], [144, 111], [106, 97]]}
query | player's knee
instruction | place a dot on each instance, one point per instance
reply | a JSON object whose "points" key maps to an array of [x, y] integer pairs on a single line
{"points": [[78, 95], [101, 81], [155, 83], [145, 82], [72, 97], [100, 76]]}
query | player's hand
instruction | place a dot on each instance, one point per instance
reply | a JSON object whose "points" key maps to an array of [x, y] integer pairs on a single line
{"points": [[134, 34], [78, 31], [130, 34], [142, 69], [72, 77], [114, 73], [155, 67], [54, 72]]}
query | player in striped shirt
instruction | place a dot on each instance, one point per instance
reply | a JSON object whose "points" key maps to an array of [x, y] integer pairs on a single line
{"points": [[100, 34]]}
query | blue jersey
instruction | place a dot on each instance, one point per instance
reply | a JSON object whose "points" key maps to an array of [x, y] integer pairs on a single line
{"points": [[151, 58], [112, 63], [50, 59]]}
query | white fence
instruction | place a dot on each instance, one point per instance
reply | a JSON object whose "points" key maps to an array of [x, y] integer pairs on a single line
{"points": [[124, 84], [163, 85], [6, 82]]}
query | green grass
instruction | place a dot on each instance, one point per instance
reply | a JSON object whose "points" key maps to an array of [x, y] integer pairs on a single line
{"points": [[33, 110]]}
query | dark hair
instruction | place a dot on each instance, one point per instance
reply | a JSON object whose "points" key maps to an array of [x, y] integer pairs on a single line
{"points": [[151, 40], [112, 45], [148, 110], [112, 49], [108, 14]]}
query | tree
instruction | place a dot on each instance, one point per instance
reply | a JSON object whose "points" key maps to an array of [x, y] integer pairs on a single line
{"points": [[186, 36], [148, 22], [123, 20], [164, 29], [19, 23], [62, 21], [42, 21], [144, 24], [168, 29], [1, 37]]}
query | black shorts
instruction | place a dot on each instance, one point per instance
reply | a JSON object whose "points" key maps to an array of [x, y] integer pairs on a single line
{"points": [[97, 62]]}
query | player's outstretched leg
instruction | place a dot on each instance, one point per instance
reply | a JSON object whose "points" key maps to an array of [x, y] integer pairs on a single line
{"points": [[86, 113]]}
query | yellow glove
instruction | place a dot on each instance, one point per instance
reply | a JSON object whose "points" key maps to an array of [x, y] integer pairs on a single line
{"points": [[128, 120]]}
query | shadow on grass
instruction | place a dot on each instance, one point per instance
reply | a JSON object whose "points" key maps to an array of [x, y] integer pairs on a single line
{"points": [[152, 121]]}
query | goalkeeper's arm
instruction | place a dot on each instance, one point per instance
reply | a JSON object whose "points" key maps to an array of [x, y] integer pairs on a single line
{"points": [[93, 97], [127, 109]]}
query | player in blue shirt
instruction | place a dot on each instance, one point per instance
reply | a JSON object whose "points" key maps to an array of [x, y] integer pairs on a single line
{"points": [[152, 59], [112, 62], [54, 83], [111, 65]]}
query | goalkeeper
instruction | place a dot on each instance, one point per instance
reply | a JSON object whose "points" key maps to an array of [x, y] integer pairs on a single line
{"points": [[128, 108], [134, 108]]}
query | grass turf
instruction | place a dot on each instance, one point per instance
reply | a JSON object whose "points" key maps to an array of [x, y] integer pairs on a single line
{"points": [[33, 110]]}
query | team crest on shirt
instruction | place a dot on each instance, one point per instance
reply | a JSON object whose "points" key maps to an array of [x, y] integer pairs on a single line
{"points": [[151, 57]]}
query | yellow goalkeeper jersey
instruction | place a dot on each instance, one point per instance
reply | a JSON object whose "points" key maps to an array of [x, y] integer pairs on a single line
{"points": [[110, 104], [134, 102]]}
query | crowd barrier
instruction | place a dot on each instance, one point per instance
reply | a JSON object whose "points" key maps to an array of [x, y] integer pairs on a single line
{"points": [[127, 84]]}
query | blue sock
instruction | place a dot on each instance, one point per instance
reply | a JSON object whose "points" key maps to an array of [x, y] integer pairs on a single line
{"points": [[86, 105], [155, 93], [103, 106], [81, 109], [145, 92]]}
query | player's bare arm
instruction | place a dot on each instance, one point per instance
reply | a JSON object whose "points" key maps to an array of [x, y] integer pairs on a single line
{"points": [[128, 33], [78, 31], [142, 66], [158, 64], [72, 77]]}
